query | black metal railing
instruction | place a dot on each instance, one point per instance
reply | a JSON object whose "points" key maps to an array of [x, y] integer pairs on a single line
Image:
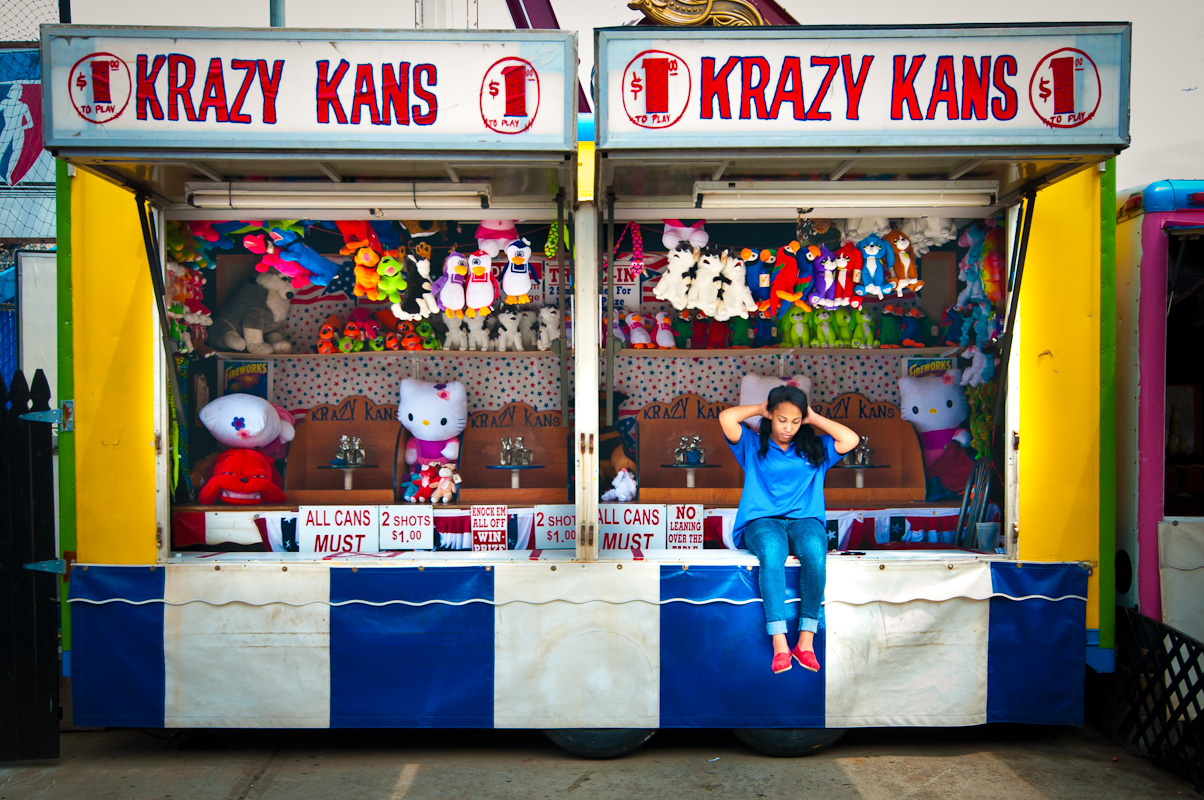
{"points": [[29, 608], [1160, 674]]}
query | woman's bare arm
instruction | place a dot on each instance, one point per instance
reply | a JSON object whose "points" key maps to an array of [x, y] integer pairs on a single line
{"points": [[731, 418], [846, 438]]}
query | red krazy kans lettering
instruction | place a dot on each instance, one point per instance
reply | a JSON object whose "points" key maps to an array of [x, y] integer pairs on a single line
{"points": [[179, 73]]}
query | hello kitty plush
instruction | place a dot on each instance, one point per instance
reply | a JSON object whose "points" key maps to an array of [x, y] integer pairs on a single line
{"points": [[494, 234], [674, 284], [435, 415], [937, 407]]}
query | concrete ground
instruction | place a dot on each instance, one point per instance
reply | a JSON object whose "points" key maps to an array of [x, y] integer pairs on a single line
{"points": [[998, 761]]}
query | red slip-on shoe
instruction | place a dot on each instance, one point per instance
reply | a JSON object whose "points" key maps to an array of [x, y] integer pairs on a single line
{"points": [[781, 662], [806, 659]]}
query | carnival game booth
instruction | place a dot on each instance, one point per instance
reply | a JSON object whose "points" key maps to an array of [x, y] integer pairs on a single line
{"points": [[346, 371], [1160, 454], [755, 185]]}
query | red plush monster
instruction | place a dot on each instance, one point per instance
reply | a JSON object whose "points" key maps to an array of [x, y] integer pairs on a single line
{"points": [[242, 477]]}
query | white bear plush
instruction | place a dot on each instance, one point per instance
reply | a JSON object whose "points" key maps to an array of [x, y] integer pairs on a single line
{"points": [[549, 327], [478, 336], [736, 300], [508, 335], [457, 335], [674, 285], [253, 319], [704, 289]]}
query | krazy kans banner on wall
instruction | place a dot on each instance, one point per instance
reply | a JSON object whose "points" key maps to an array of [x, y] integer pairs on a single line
{"points": [[804, 87], [143, 88]]}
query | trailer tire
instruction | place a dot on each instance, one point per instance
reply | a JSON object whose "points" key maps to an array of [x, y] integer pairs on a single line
{"points": [[599, 742], [788, 742]]}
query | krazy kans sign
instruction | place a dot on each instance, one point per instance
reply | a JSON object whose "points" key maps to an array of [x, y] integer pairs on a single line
{"points": [[476, 89]]}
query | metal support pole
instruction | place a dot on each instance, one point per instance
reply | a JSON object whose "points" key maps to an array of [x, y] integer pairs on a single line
{"points": [[276, 13]]}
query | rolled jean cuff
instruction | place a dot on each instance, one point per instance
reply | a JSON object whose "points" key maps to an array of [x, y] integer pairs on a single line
{"points": [[775, 627], [807, 625]]}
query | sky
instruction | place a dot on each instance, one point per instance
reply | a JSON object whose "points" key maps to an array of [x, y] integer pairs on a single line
{"points": [[1167, 96]]}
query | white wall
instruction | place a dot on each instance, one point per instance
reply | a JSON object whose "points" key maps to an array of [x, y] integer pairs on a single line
{"points": [[1167, 96]]}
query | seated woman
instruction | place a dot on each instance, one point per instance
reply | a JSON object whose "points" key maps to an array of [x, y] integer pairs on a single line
{"points": [[782, 507]]}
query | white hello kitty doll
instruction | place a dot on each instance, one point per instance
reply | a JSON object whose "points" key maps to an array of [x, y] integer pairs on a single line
{"points": [[481, 289], [664, 331], [434, 414], [494, 234], [937, 407]]}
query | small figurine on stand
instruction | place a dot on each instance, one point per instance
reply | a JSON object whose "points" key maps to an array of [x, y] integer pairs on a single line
{"points": [[507, 455], [862, 453], [350, 453], [695, 454], [679, 453]]}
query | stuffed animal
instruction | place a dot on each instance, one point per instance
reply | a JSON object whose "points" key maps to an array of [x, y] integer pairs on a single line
{"points": [[699, 326], [352, 340], [241, 477], [262, 245], [494, 234], [757, 273], [445, 489], [457, 335], [742, 330], [795, 328], [291, 247], [675, 283], [449, 289], [549, 327], [992, 262], [327, 335], [784, 280], [249, 421], [637, 334], [422, 486], [877, 257], [890, 327], [848, 275], [704, 289], [526, 328], [408, 337], [623, 488], [434, 414], [419, 300], [481, 289], [390, 281], [508, 335], [755, 389], [253, 320], [906, 273], [682, 329], [519, 273], [915, 326], [664, 331], [864, 328], [936, 405], [719, 336], [735, 299], [676, 232], [824, 334], [767, 333], [478, 335], [823, 284], [842, 318], [426, 331], [367, 282], [981, 369]]}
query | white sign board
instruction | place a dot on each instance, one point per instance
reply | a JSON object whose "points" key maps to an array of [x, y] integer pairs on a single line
{"points": [[164, 88], [407, 527], [624, 527], [555, 527], [684, 527], [338, 529], [794, 87], [488, 527]]}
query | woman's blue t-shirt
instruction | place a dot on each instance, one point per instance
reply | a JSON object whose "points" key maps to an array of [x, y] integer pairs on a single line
{"points": [[783, 484]]}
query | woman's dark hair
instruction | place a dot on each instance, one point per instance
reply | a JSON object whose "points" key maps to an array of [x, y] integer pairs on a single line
{"points": [[806, 441]]}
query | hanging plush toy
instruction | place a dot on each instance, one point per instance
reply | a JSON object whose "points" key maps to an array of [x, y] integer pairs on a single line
{"points": [[735, 300], [981, 369], [449, 289], [848, 275], [261, 245], [434, 414], [519, 273], [241, 477], [783, 280], [704, 290], [494, 234], [677, 232], [757, 273], [992, 262], [367, 282], [419, 301], [877, 257], [390, 281], [291, 247], [674, 284], [906, 274], [823, 285], [481, 289]]}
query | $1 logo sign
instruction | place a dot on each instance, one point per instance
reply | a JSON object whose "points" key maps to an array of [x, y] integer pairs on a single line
{"points": [[1064, 90], [510, 95], [656, 89], [100, 87]]}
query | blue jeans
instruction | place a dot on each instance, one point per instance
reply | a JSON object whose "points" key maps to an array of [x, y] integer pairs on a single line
{"points": [[770, 539]]}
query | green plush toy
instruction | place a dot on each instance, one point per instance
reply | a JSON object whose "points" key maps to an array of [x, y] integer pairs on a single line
{"points": [[742, 331], [890, 328], [350, 344], [825, 329], [865, 333], [392, 279], [427, 331], [682, 330], [795, 328], [377, 343], [843, 319]]}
